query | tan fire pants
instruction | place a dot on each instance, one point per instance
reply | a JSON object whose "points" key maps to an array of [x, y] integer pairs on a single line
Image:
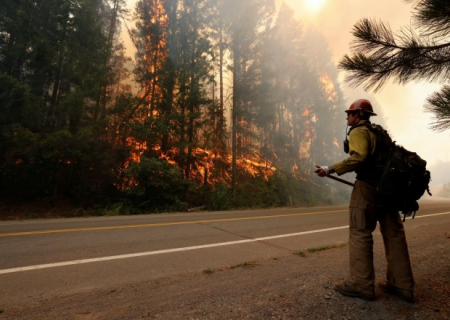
{"points": [[365, 210]]}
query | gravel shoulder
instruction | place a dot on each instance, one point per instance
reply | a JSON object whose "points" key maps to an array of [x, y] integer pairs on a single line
{"points": [[288, 287]]}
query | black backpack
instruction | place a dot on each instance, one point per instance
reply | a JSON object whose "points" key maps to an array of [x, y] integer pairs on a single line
{"points": [[403, 177]]}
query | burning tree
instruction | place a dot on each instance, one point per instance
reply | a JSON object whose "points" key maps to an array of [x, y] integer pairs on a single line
{"points": [[185, 47], [230, 96], [173, 53]]}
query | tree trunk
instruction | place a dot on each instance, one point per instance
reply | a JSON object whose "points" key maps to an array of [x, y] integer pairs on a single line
{"points": [[101, 101], [221, 104], [236, 98], [170, 81], [192, 99], [58, 77]]}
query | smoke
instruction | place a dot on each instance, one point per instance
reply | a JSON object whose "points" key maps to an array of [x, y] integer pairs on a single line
{"points": [[402, 106]]}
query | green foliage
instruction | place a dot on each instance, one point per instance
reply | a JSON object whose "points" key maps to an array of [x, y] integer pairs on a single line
{"points": [[155, 185], [53, 66], [307, 192], [300, 254], [288, 189], [326, 247], [256, 192], [208, 271], [114, 209], [35, 163], [57, 164], [17, 104], [246, 265], [281, 189], [220, 198], [320, 248]]}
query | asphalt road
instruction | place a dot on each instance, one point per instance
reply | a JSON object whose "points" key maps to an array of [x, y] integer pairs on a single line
{"points": [[44, 258]]}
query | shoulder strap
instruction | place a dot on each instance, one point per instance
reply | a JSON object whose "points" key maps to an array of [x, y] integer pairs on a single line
{"points": [[383, 139], [346, 142]]}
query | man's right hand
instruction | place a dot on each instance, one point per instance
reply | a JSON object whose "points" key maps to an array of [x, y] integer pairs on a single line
{"points": [[322, 171]]}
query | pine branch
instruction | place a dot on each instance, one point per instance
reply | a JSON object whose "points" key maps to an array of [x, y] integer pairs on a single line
{"points": [[439, 104], [433, 16], [378, 57]]}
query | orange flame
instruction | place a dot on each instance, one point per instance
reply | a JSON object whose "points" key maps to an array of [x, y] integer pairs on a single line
{"points": [[328, 87], [336, 143]]}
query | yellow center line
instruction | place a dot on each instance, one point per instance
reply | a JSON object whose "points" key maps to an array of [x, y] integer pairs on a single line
{"points": [[164, 224]]}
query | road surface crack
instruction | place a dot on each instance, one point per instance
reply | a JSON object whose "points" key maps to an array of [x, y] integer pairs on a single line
{"points": [[250, 238]]}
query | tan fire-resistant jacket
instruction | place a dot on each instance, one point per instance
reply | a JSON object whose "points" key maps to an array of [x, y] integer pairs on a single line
{"points": [[362, 144]]}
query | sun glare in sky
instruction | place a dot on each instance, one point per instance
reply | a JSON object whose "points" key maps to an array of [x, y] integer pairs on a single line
{"points": [[315, 5]]}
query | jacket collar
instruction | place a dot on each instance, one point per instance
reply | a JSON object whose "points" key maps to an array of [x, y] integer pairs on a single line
{"points": [[361, 123]]}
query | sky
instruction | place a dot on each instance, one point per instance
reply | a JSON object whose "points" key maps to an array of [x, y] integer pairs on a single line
{"points": [[402, 105]]}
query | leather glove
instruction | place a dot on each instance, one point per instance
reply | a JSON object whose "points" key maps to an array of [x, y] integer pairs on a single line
{"points": [[322, 171]]}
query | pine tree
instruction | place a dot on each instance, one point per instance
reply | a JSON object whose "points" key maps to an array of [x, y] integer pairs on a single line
{"points": [[192, 77], [52, 60], [155, 71], [380, 55], [244, 21]]}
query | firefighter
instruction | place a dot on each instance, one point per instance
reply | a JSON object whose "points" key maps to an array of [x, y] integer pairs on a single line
{"points": [[366, 208]]}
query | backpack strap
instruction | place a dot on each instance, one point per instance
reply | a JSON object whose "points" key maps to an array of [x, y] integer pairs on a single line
{"points": [[372, 168], [373, 128]]}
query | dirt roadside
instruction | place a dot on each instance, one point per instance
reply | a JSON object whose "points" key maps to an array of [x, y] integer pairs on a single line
{"points": [[287, 287]]}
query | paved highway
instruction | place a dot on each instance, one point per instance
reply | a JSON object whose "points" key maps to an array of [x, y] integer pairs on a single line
{"points": [[43, 258]]}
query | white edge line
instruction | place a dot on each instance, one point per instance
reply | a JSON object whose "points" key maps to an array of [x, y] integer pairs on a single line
{"points": [[150, 253], [430, 215]]}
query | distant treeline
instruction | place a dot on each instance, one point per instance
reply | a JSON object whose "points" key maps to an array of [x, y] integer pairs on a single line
{"points": [[227, 103]]}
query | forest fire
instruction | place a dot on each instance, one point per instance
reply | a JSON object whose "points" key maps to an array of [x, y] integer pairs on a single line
{"points": [[213, 104], [336, 143], [170, 106], [256, 167], [204, 163], [137, 149], [329, 87]]}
